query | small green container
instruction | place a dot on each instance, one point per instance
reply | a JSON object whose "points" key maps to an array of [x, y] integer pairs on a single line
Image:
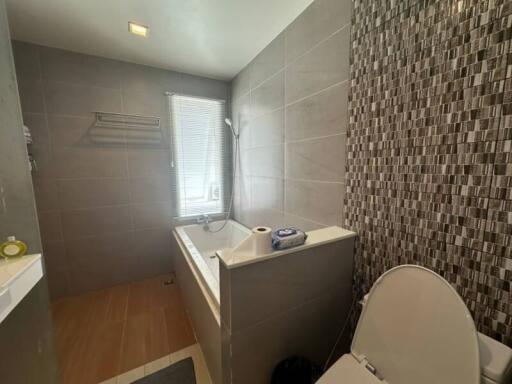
{"points": [[13, 248]]}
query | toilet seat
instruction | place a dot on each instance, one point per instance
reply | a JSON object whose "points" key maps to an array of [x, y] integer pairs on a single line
{"points": [[348, 370], [414, 329]]}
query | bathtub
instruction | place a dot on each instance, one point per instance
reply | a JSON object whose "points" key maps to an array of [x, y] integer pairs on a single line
{"points": [[197, 272], [201, 246]]}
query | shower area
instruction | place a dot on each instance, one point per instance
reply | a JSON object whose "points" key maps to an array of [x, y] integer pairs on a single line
{"points": [[112, 168]]}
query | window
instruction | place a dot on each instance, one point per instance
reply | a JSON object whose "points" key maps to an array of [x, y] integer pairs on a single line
{"points": [[200, 155]]}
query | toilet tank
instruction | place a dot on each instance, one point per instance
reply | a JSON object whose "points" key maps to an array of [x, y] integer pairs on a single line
{"points": [[495, 361]]}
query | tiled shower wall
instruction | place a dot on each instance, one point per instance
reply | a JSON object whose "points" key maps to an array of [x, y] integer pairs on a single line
{"points": [[104, 209], [290, 104], [429, 165]]}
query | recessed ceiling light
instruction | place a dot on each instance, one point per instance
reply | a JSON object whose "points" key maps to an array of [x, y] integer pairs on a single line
{"points": [[138, 29]]}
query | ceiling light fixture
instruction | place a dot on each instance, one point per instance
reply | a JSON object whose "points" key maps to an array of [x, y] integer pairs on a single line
{"points": [[138, 29]]}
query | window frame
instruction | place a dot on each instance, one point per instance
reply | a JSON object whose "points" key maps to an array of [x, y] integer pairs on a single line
{"points": [[226, 169]]}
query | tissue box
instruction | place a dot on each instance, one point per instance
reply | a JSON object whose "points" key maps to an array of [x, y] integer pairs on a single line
{"points": [[287, 238]]}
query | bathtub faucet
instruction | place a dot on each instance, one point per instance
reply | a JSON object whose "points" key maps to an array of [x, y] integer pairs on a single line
{"points": [[205, 220]]}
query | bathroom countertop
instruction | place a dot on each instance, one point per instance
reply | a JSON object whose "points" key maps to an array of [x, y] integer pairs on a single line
{"points": [[17, 277], [315, 238]]}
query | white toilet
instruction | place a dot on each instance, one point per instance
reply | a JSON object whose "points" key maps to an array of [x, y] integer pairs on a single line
{"points": [[415, 329]]}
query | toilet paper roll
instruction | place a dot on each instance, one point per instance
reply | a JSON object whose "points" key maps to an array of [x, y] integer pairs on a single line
{"points": [[262, 240], [258, 243]]}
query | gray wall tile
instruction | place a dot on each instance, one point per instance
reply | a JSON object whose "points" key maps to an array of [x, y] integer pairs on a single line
{"points": [[88, 193], [304, 97], [320, 20], [38, 128], [31, 95], [241, 116], [267, 161], [152, 247], [268, 62], [75, 68], [80, 100], [320, 115], [325, 65], [241, 83], [152, 215], [285, 336], [267, 129], [291, 220], [242, 199], [51, 226], [89, 162], [317, 159], [146, 104], [149, 162], [268, 96], [267, 193], [55, 255], [27, 61], [96, 221], [270, 288], [317, 201], [46, 193], [271, 303], [150, 189]]}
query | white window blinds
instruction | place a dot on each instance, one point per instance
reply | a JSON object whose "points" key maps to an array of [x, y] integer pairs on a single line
{"points": [[200, 154]]}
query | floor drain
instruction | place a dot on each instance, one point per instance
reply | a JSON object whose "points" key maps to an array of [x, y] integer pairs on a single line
{"points": [[169, 282]]}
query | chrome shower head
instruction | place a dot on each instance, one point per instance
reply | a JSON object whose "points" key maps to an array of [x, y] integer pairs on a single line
{"points": [[229, 123]]}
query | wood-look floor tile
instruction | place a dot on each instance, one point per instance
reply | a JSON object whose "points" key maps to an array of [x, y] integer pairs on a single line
{"points": [[176, 300], [161, 293], [105, 333], [99, 302], [157, 342], [106, 345], [179, 331], [133, 350], [118, 302], [75, 367], [138, 299]]}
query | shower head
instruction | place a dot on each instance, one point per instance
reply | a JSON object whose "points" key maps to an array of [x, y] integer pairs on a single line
{"points": [[229, 123]]}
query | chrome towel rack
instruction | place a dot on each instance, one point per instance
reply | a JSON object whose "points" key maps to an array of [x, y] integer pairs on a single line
{"points": [[112, 127]]}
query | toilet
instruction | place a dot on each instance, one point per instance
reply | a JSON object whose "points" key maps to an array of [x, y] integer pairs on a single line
{"points": [[415, 329]]}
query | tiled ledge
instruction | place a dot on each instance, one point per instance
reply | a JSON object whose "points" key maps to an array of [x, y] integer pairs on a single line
{"points": [[194, 351], [315, 238]]}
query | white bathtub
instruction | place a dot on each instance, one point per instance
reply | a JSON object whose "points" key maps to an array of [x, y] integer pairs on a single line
{"points": [[201, 246], [197, 270]]}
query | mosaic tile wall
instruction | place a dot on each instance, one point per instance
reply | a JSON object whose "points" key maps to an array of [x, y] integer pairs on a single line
{"points": [[429, 164]]}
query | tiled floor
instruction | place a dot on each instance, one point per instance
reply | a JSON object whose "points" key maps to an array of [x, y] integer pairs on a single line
{"points": [[107, 333], [194, 351]]}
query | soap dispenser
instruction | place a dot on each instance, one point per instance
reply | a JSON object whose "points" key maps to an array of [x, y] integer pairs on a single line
{"points": [[12, 248]]}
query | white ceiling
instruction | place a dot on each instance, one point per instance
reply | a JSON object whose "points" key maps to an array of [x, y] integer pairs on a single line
{"points": [[213, 38]]}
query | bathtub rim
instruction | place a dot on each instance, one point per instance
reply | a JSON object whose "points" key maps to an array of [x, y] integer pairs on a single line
{"points": [[199, 268]]}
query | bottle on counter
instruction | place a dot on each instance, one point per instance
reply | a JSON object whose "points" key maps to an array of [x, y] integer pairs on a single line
{"points": [[13, 248]]}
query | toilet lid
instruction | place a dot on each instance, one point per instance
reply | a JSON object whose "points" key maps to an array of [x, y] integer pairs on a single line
{"points": [[416, 329]]}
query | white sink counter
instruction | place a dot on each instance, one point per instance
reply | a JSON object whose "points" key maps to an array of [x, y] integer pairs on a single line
{"points": [[17, 277]]}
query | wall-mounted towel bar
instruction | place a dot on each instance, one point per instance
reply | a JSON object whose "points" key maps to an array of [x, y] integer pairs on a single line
{"points": [[116, 128]]}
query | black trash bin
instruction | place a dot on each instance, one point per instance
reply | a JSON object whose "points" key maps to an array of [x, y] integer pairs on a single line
{"points": [[296, 370]]}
